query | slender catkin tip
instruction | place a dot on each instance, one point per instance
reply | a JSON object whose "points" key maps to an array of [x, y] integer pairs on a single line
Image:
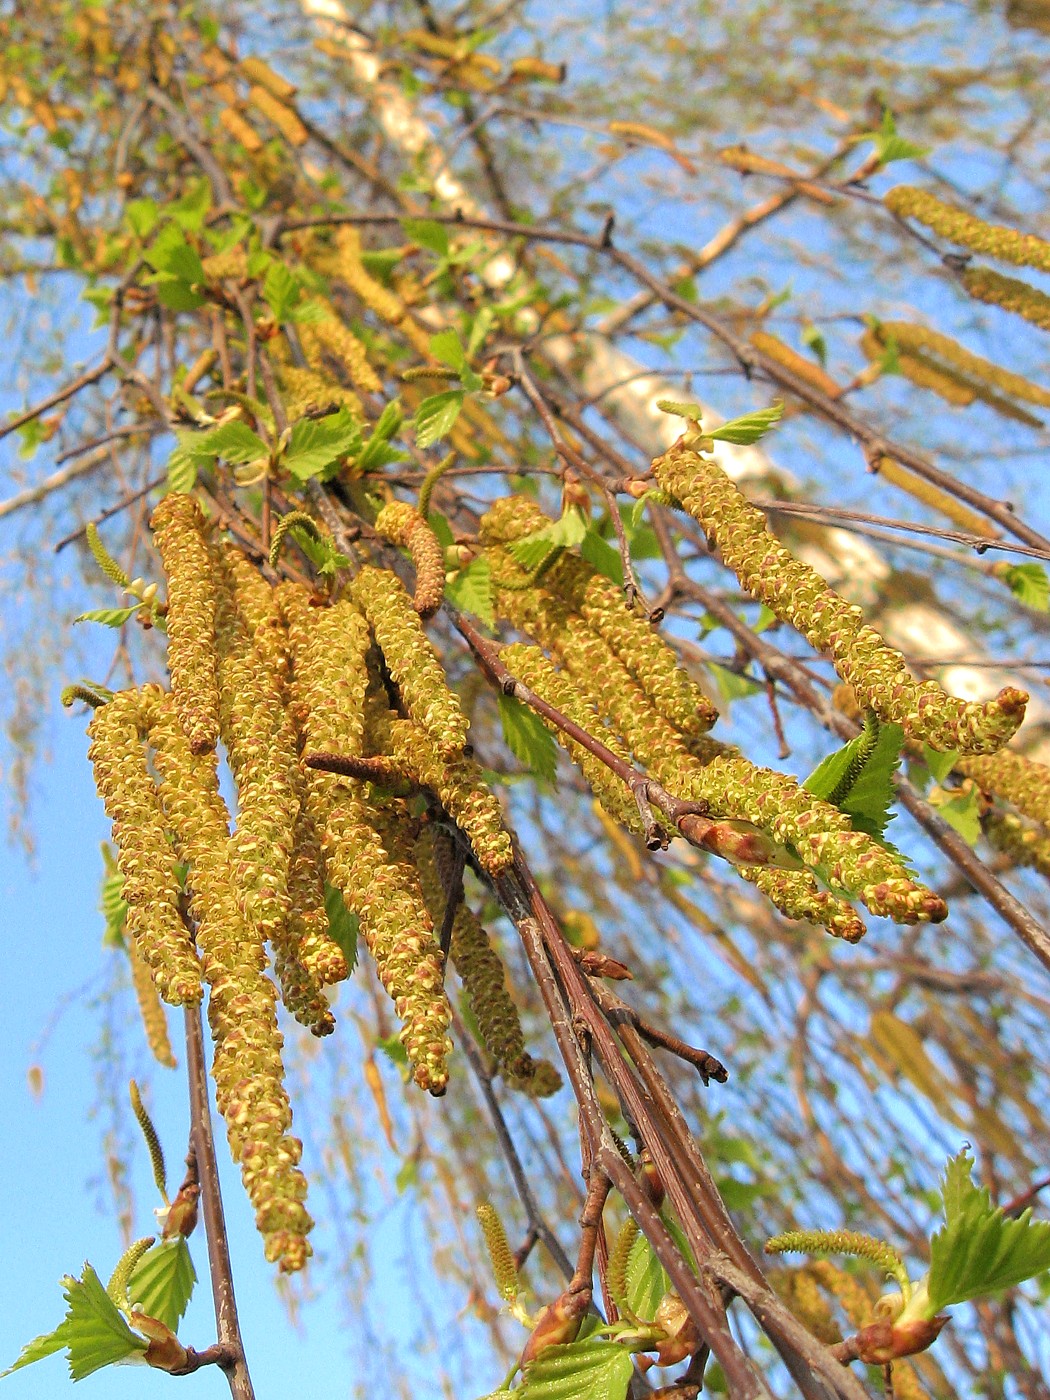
{"points": [[504, 1270], [403, 525]]}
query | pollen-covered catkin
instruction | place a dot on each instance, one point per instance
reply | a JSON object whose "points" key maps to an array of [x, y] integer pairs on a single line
{"points": [[1025, 845], [179, 532], [411, 660], [331, 336], [248, 1070], [479, 967], [603, 607], [529, 665], [921, 371], [151, 1009], [308, 391], [797, 594], [798, 896], [986, 285], [329, 645], [958, 226], [145, 856], [403, 525], [464, 794], [1013, 777], [386, 896], [387, 305], [912, 337]]}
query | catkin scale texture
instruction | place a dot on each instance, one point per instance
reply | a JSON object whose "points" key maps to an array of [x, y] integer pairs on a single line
{"points": [[797, 594], [247, 1068], [145, 856], [179, 532], [403, 525]]}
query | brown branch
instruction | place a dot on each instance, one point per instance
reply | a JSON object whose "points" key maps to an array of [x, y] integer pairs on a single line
{"points": [[90, 376], [227, 1322]]}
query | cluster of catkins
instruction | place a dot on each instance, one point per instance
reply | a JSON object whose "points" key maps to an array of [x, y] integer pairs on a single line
{"points": [[602, 665], [276, 675]]}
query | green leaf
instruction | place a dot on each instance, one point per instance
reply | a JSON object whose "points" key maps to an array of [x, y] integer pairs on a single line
{"points": [[866, 770], [748, 429], [528, 738], [447, 348], [281, 291], [593, 1369], [814, 339], [109, 617], [961, 810], [647, 1280], [182, 472], [1029, 583], [471, 590], [176, 294], [732, 685], [692, 411], [979, 1250], [234, 442], [480, 328], [427, 234], [171, 254], [393, 1049], [376, 453], [44, 1345], [889, 146], [380, 262], [141, 216], [532, 550], [321, 553], [191, 210], [601, 555], [318, 443], [161, 1283], [436, 415], [343, 926], [939, 764]]}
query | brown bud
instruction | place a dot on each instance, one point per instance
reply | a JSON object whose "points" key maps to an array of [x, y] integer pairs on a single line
{"points": [[165, 1352], [601, 965], [649, 1179], [182, 1213], [559, 1322], [883, 1342], [682, 1337]]}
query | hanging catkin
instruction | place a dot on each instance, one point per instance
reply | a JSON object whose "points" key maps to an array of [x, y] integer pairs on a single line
{"points": [[797, 594], [179, 532]]}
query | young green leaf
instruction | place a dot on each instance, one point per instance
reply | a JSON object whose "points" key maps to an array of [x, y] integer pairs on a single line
{"points": [[343, 926], [813, 338], [109, 617], [889, 146], [427, 234], [692, 411], [593, 1369], [960, 809], [436, 415], [44, 1345], [191, 210], [748, 429], [281, 291], [858, 778], [169, 253], [141, 216], [376, 453], [527, 738], [532, 550], [732, 685], [1027, 582], [647, 1280], [939, 764], [318, 443], [447, 348], [161, 1284], [471, 590], [234, 442], [979, 1250], [182, 472], [600, 555]]}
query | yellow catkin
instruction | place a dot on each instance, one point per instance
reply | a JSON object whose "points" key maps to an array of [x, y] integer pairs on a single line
{"points": [[504, 1270], [797, 594], [260, 736], [256, 70], [412, 661], [280, 114], [1024, 845], [241, 130], [801, 1292], [921, 371], [911, 337], [925, 491], [798, 896], [958, 226], [145, 858], [247, 1066], [529, 665], [856, 1303], [308, 391], [1013, 777], [233, 263], [618, 1261], [983, 284], [387, 305], [710, 772], [603, 607], [481, 971], [179, 532], [151, 1009], [329, 645], [329, 334], [386, 896], [799, 365], [403, 525], [464, 794]]}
